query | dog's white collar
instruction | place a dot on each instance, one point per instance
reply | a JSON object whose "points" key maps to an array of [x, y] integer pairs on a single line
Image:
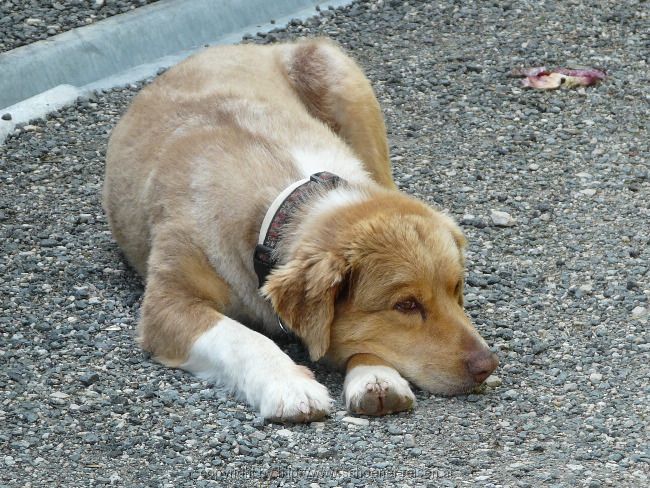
{"points": [[273, 208], [279, 212]]}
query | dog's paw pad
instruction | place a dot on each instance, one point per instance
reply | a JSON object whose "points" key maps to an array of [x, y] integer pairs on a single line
{"points": [[377, 390], [296, 398]]}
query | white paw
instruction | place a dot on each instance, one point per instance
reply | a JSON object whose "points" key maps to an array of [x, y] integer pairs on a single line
{"points": [[376, 390], [255, 369], [295, 396]]}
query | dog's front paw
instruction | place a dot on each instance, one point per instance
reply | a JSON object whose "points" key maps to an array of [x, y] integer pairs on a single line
{"points": [[295, 397], [376, 390]]}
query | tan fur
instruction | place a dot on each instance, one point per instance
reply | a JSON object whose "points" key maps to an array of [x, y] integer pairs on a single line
{"points": [[182, 297], [304, 293], [365, 360], [198, 158], [343, 104]]}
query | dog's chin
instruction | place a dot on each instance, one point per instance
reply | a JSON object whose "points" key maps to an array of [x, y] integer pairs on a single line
{"points": [[446, 387]]}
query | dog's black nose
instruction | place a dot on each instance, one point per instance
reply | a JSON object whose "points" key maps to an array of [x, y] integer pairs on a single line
{"points": [[481, 363]]}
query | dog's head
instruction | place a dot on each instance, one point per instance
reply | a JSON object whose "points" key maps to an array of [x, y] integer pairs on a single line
{"points": [[385, 277]]}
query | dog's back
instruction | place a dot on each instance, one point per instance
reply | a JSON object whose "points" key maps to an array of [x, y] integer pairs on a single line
{"points": [[229, 118]]}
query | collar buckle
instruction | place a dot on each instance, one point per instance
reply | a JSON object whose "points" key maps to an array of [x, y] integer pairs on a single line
{"points": [[283, 327]]}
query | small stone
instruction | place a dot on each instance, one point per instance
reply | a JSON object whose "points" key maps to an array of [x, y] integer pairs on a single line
{"points": [[510, 394], [259, 435], [590, 192], [284, 433], [615, 456], [91, 438], [638, 312], [169, 396], [533, 167], [9, 461], [570, 387], [59, 395], [409, 440], [595, 377], [48, 243], [323, 452], [356, 421], [467, 219], [395, 429], [493, 381], [6, 116], [502, 219]]}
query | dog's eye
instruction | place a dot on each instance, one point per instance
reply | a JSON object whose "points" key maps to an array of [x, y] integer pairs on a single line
{"points": [[410, 305]]}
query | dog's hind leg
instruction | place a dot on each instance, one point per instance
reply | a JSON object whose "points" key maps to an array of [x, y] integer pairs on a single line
{"points": [[335, 90], [373, 387], [184, 325]]}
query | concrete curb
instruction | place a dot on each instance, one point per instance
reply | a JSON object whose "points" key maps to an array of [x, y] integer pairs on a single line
{"points": [[46, 75]]}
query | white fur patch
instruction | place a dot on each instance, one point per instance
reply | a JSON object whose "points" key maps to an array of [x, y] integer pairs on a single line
{"points": [[254, 368], [335, 159], [365, 384], [336, 199]]}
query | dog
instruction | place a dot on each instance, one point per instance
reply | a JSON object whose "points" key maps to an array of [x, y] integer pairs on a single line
{"points": [[252, 185]]}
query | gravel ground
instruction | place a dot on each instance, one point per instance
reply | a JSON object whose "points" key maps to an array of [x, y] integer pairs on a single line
{"points": [[25, 21], [561, 291]]}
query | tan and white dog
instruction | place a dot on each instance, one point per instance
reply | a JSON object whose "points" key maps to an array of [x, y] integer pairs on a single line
{"points": [[369, 278]]}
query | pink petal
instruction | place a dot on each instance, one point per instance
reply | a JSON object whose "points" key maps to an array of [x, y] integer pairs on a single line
{"points": [[544, 82], [544, 79], [525, 72]]}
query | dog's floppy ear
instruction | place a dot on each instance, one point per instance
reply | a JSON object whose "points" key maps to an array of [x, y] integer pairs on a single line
{"points": [[303, 293]]}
